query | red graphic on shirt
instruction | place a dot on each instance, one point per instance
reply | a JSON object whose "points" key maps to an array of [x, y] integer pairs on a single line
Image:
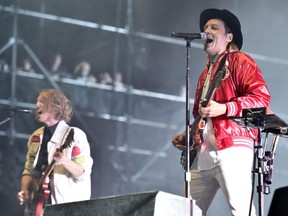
{"points": [[36, 139], [75, 151]]}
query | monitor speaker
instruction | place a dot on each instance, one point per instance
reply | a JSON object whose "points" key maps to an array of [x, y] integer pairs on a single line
{"points": [[279, 203], [154, 203]]}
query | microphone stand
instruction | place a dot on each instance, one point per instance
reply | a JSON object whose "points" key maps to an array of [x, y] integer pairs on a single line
{"points": [[257, 122], [260, 170], [187, 170], [188, 38], [12, 114], [265, 169]]}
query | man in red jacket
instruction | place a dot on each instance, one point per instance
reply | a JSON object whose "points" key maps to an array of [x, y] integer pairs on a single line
{"points": [[225, 156]]}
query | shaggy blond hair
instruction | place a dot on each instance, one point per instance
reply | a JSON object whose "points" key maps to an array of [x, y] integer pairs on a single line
{"points": [[57, 103]]}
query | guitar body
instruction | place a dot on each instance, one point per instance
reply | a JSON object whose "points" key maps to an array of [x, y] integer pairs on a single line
{"points": [[42, 197], [196, 140], [41, 192], [38, 198]]}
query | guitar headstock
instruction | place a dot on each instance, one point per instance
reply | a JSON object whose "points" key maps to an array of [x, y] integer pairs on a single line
{"points": [[69, 138]]}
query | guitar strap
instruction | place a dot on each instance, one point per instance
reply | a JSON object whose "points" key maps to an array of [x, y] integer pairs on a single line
{"points": [[207, 80]]}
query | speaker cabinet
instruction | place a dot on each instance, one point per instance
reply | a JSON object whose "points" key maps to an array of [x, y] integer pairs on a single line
{"points": [[155, 203]]}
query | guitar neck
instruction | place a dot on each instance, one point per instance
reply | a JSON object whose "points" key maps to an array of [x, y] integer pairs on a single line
{"points": [[49, 168], [46, 173], [195, 123]]}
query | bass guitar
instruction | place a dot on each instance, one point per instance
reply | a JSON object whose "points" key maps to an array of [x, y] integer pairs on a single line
{"points": [[40, 192], [197, 126]]}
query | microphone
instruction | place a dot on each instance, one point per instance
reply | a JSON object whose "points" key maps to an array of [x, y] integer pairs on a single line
{"points": [[20, 110], [192, 36]]}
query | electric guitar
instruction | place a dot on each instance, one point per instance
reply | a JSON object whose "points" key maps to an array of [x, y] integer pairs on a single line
{"points": [[40, 191], [197, 127]]}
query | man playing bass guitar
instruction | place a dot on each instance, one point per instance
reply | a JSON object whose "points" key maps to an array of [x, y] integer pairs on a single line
{"points": [[225, 156]]}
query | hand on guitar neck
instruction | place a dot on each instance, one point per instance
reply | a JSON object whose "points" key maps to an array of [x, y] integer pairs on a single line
{"points": [[60, 156]]}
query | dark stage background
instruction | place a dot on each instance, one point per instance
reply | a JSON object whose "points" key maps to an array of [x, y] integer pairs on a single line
{"points": [[129, 127]]}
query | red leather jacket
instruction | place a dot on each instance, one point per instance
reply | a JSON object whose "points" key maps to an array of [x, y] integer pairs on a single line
{"points": [[243, 87]]}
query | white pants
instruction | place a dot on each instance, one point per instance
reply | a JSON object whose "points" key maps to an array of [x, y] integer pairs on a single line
{"points": [[232, 173]]}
